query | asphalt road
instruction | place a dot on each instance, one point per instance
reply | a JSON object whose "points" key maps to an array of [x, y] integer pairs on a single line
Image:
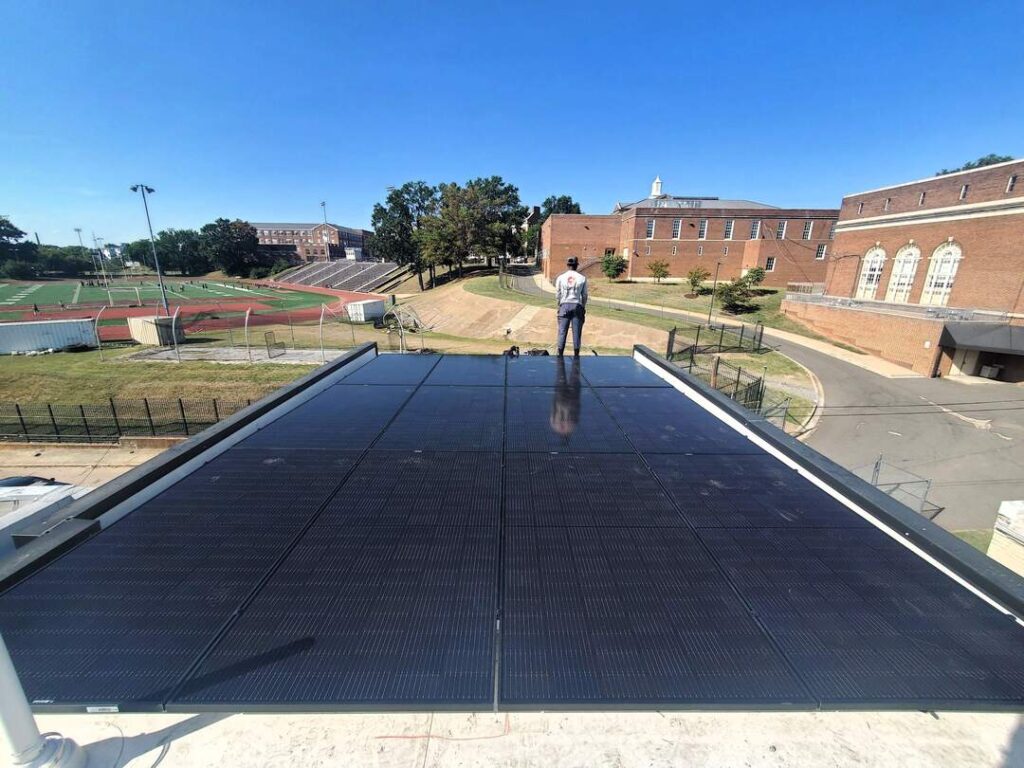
{"points": [[966, 438]]}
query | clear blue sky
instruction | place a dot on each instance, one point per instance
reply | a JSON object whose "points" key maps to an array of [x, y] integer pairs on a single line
{"points": [[261, 110]]}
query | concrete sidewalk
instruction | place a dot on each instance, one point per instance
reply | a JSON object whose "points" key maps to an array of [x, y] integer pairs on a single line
{"points": [[865, 361]]}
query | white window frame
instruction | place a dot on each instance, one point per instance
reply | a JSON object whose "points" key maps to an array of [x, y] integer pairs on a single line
{"points": [[942, 268], [729, 226], [769, 264], [1011, 183], [702, 229], [647, 251], [808, 230], [904, 270], [832, 231], [677, 228], [651, 223], [820, 253], [780, 229], [675, 250], [964, 190], [921, 198], [871, 273], [860, 208], [755, 229], [725, 250]]}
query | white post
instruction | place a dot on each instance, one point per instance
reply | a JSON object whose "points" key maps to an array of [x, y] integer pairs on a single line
{"points": [[174, 332], [248, 349], [22, 742], [323, 308], [99, 344]]}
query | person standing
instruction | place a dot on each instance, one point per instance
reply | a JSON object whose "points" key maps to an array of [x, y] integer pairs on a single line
{"points": [[571, 295]]}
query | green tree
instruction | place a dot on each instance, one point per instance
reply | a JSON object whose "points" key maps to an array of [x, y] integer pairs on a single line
{"points": [[138, 251], [659, 270], [15, 269], [499, 214], [396, 222], [558, 204], [179, 251], [71, 260], [231, 246], [450, 237], [755, 276], [612, 265], [696, 278], [735, 296], [981, 162], [13, 246]]}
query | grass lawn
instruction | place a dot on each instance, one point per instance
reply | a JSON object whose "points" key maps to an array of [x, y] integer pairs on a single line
{"points": [[979, 539], [81, 377]]}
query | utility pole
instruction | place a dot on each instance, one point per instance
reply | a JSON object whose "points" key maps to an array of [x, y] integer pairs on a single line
{"points": [[152, 243], [714, 287], [326, 238], [92, 256]]}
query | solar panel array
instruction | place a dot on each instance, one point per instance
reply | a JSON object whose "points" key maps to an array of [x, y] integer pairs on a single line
{"points": [[469, 532]]}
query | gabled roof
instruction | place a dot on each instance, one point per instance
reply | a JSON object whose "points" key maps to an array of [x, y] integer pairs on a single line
{"points": [[307, 226], [677, 201]]}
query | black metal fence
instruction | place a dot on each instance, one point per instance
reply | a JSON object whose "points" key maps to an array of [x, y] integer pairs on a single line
{"points": [[106, 422], [686, 341], [731, 380]]}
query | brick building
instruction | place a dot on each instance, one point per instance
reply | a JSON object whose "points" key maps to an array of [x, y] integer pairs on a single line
{"points": [[791, 244], [930, 274], [314, 242]]}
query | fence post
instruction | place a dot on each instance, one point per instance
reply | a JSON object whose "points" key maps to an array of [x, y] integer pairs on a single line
{"points": [[764, 383], [85, 422], [714, 373], [760, 335], [323, 308], [875, 472], [721, 338], [248, 349], [53, 420], [216, 413], [696, 341], [736, 386], [671, 343], [99, 344], [291, 328], [181, 410], [149, 416], [21, 418], [743, 328], [174, 332], [113, 413]]}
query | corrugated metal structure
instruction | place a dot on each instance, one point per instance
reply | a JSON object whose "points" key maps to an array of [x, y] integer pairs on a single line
{"points": [[33, 336], [154, 330], [364, 311]]}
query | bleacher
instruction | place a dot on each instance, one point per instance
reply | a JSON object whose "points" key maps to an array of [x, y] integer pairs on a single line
{"points": [[343, 275]]}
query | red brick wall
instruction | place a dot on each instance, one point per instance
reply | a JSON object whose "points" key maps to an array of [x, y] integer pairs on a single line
{"points": [[581, 235], [900, 340]]}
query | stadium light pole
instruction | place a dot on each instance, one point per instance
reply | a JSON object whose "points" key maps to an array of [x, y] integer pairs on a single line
{"points": [[92, 256], [152, 242], [327, 244]]}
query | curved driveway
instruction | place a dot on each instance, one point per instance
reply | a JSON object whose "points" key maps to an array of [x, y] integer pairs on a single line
{"points": [[967, 437]]}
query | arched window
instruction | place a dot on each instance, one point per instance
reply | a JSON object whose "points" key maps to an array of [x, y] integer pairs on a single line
{"points": [[941, 272], [904, 267], [871, 273]]}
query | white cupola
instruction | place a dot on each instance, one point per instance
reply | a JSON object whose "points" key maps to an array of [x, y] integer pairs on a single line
{"points": [[656, 187]]}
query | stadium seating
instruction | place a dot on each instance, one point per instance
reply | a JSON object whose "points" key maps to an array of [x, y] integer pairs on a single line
{"points": [[343, 275]]}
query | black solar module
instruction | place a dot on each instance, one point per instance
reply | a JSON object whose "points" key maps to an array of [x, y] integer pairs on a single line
{"points": [[464, 533]]}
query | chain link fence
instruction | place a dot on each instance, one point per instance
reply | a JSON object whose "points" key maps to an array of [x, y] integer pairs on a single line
{"points": [[107, 422]]}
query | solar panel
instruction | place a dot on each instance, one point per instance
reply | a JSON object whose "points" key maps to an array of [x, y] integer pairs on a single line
{"points": [[357, 553], [567, 418], [469, 370], [618, 372]]}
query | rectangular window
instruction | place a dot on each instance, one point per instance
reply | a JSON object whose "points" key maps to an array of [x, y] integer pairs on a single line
{"points": [[700, 250], [677, 225], [820, 253], [755, 230], [728, 229], [675, 249], [647, 251], [650, 229], [920, 200], [725, 251], [1010, 184], [963, 191], [702, 229], [832, 231], [769, 264], [860, 208], [780, 230], [808, 228], [609, 252]]}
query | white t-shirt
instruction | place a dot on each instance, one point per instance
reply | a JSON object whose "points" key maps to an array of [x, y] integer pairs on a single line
{"points": [[571, 288]]}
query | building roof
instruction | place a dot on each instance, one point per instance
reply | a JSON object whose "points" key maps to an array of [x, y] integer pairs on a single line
{"points": [[674, 201], [424, 532], [304, 226]]}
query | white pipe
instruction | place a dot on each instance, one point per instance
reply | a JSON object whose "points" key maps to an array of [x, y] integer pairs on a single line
{"points": [[22, 742], [323, 308], [248, 350], [99, 344], [174, 332]]}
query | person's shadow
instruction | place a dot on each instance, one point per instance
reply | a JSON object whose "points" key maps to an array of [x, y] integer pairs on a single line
{"points": [[565, 408]]}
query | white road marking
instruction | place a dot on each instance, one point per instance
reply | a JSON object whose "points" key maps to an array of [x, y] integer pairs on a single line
{"points": [[976, 423], [997, 434], [78, 290], [895, 433]]}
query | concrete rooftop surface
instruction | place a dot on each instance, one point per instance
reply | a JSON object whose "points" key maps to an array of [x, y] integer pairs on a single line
{"points": [[626, 739]]}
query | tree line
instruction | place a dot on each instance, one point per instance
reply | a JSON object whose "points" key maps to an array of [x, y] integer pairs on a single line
{"points": [[230, 246], [425, 227]]}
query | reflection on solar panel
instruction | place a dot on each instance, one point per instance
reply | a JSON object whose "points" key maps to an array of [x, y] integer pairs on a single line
{"points": [[462, 533]]}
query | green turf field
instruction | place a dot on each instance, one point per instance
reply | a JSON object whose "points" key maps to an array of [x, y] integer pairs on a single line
{"points": [[71, 293]]}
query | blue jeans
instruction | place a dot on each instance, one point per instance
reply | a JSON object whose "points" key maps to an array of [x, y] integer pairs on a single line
{"points": [[575, 314]]}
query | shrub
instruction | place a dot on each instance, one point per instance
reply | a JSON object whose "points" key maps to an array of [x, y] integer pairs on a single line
{"points": [[696, 278], [659, 270], [613, 265]]}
